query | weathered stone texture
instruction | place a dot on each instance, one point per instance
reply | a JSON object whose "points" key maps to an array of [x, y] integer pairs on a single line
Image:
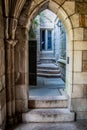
{"points": [[78, 91], [80, 78], [79, 104], [21, 34], [75, 20], [69, 6], [85, 34], [84, 61], [84, 66], [59, 1], [21, 105], [84, 55], [81, 115], [78, 61], [81, 8], [78, 33], [80, 45], [21, 92], [85, 91], [83, 20]]}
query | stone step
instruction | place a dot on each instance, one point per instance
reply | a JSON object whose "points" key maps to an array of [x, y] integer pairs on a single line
{"points": [[48, 102], [48, 71], [47, 60], [49, 75], [48, 115], [47, 66]]}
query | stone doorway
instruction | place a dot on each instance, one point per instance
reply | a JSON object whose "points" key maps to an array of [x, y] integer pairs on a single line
{"points": [[49, 53]]}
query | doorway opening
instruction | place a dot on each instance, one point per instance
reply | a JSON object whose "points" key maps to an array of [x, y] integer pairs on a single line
{"points": [[47, 55]]}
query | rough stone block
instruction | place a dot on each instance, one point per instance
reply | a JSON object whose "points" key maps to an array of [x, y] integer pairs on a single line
{"points": [[75, 20], [53, 6], [70, 35], [80, 78], [79, 104], [84, 66], [67, 24], [85, 34], [81, 115], [84, 55], [78, 61], [59, 1], [81, 8], [85, 91], [61, 14], [78, 91], [82, 20], [80, 45], [69, 7], [78, 33]]}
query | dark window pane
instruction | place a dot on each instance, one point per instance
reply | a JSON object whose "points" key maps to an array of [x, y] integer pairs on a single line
{"points": [[49, 46], [42, 39]]}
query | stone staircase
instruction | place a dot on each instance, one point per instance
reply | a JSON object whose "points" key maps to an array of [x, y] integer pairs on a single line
{"points": [[48, 70], [48, 110]]}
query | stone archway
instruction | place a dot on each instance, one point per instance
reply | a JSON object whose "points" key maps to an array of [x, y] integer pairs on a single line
{"points": [[28, 13], [70, 12]]}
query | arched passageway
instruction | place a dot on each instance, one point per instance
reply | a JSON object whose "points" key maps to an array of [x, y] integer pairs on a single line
{"points": [[18, 22], [47, 55], [22, 36]]}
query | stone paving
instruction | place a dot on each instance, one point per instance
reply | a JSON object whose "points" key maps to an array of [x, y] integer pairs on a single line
{"points": [[47, 87], [78, 125]]}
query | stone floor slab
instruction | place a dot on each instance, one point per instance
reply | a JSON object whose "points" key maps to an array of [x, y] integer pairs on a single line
{"points": [[78, 125], [47, 87]]}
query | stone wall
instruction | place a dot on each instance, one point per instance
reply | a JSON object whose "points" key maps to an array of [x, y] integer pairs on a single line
{"points": [[79, 91], [2, 73]]}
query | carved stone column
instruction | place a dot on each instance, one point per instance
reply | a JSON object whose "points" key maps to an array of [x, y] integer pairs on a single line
{"points": [[10, 84]]}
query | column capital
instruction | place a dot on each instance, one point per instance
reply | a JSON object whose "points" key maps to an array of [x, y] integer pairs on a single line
{"points": [[11, 42]]}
